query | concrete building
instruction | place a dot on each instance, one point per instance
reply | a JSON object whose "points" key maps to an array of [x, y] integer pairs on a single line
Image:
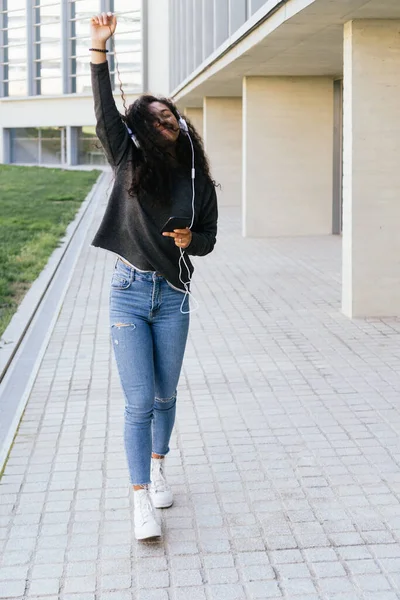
{"points": [[298, 102], [46, 106]]}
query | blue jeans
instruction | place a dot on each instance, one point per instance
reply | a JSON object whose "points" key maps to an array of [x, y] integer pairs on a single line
{"points": [[149, 334]]}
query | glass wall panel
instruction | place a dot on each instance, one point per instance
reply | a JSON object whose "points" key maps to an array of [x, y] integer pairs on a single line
{"points": [[38, 145], [47, 46], [89, 149], [213, 22], [13, 47], [128, 44], [24, 145], [80, 13], [39, 34], [256, 4], [52, 145]]}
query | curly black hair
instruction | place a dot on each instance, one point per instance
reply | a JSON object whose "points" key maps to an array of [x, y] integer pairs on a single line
{"points": [[153, 169]]}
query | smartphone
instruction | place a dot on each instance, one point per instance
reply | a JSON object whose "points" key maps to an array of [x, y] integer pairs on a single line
{"points": [[176, 223]]}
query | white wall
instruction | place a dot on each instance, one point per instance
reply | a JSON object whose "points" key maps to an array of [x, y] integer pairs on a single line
{"points": [[223, 144], [287, 156], [196, 117]]}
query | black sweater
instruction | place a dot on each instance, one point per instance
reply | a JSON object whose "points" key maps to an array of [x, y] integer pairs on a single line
{"points": [[131, 228]]}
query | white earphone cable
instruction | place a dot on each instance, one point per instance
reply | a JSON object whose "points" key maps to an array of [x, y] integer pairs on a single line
{"points": [[186, 284]]}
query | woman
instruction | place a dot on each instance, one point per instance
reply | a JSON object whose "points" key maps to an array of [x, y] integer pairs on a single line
{"points": [[151, 150]]}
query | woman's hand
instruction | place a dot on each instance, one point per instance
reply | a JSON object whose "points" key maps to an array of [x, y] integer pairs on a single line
{"points": [[182, 237], [102, 27]]}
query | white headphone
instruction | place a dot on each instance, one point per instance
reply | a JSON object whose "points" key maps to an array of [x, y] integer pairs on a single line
{"points": [[182, 125]]}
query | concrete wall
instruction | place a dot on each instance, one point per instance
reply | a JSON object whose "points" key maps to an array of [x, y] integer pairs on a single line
{"points": [[223, 143], [287, 156], [196, 117], [371, 194]]}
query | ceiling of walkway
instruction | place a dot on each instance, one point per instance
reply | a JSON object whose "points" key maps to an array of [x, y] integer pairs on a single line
{"points": [[303, 38]]}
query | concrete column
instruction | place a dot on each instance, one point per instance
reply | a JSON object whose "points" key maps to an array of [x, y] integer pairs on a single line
{"points": [[371, 173], [196, 117], [4, 146], [287, 156], [72, 146], [223, 143]]}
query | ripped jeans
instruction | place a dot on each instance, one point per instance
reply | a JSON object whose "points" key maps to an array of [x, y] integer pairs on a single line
{"points": [[149, 335]]}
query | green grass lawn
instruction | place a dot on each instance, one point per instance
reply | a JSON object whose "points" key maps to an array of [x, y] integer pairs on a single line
{"points": [[36, 206]]}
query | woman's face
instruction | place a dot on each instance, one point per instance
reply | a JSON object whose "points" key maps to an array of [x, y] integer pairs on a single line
{"points": [[165, 123]]}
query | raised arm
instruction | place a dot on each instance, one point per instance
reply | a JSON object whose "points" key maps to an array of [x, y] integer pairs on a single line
{"points": [[110, 129]]}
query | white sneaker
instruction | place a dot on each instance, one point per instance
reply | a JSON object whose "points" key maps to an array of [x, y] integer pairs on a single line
{"points": [[146, 524], [160, 492]]}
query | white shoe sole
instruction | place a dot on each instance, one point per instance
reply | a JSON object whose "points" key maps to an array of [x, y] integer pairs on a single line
{"points": [[161, 504], [148, 532]]}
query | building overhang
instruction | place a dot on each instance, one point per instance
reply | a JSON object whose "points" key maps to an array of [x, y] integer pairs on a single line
{"points": [[284, 38]]}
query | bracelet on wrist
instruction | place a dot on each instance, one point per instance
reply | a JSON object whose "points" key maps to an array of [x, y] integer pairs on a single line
{"points": [[97, 50]]}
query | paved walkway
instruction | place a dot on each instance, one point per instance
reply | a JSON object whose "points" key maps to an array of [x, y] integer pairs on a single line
{"points": [[286, 453]]}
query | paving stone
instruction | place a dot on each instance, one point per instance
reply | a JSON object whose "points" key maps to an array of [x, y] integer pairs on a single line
{"points": [[286, 467], [82, 596], [380, 595], [13, 573], [328, 569], [154, 595], [47, 571], [253, 558], [354, 552], [153, 580], [227, 592], [186, 578], [293, 571], [372, 583], [392, 565], [81, 569], [298, 586], [44, 587], [261, 590], [333, 585], [79, 584], [320, 554], [155, 563], [116, 582], [362, 567], [12, 589], [286, 556], [119, 595], [222, 575]]}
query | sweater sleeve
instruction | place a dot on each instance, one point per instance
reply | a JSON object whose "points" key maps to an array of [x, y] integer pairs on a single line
{"points": [[204, 235], [110, 128]]}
